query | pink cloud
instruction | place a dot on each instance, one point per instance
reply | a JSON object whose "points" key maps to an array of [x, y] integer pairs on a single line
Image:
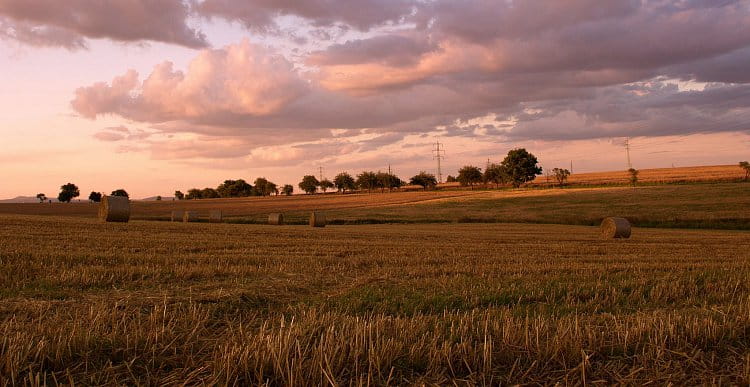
{"points": [[548, 71], [242, 79], [67, 23]]}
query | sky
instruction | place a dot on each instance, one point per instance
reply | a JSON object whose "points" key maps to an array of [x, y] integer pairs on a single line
{"points": [[158, 95]]}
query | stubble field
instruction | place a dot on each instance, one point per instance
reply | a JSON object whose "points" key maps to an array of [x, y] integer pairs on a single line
{"points": [[160, 303]]}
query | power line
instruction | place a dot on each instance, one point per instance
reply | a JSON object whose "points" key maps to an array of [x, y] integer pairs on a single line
{"points": [[439, 154], [627, 149]]}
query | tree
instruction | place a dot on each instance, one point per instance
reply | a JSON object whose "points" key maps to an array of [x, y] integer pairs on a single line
{"points": [[344, 182], [521, 167], [633, 176], [42, 197], [450, 179], [234, 189], [561, 176], [262, 187], [68, 192], [495, 173], [120, 192], [287, 190], [367, 180], [194, 193], [179, 195], [469, 175], [746, 166], [158, 197], [388, 181], [424, 179], [209, 193], [95, 197], [309, 184], [272, 188], [325, 185]]}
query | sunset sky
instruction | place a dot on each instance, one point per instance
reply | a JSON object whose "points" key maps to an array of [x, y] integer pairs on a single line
{"points": [[158, 95]]}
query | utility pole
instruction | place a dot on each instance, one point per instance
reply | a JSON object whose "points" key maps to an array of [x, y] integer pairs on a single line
{"points": [[439, 154], [627, 150], [571, 167], [320, 169]]}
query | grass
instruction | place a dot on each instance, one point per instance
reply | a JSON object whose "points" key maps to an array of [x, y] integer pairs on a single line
{"points": [[171, 303], [698, 206]]}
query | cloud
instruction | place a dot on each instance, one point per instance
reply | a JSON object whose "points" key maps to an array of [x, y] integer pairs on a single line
{"points": [[109, 136], [121, 133], [616, 42], [242, 79], [68, 23], [261, 15], [545, 70]]}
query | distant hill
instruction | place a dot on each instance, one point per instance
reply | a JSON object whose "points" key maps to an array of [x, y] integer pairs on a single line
{"points": [[25, 199]]}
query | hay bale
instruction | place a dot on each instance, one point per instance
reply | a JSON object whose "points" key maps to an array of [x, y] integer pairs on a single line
{"points": [[190, 216], [615, 228], [114, 209], [214, 216], [318, 219], [177, 216], [276, 219]]}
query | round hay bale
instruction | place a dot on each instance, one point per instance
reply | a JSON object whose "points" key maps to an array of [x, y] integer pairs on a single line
{"points": [[215, 216], [615, 228], [318, 219], [177, 216], [190, 216], [276, 219], [114, 209]]}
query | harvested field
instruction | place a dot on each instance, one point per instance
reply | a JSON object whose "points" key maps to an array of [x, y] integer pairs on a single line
{"points": [[704, 205], [159, 302], [161, 210]]}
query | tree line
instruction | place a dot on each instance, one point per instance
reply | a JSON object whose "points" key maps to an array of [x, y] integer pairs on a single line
{"points": [[518, 167], [235, 189], [70, 191]]}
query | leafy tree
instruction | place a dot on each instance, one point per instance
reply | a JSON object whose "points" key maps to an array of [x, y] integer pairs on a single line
{"points": [[194, 193], [325, 185], [42, 197], [95, 197], [746, 166], [68, 192], [450, 179], [469, 175], [388, 181], [179, 195], [521, 166], [272, 188], [424, 179], [309, 184], [344, 182], [495, 173], [561, 175], [367, 180], [120, 192], [209, 193], [158, 197], [633, 176], [235, 189], [262, 187], [288, 189]]}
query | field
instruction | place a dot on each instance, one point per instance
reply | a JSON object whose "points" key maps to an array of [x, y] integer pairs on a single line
{"points": [[705, 205], [155, 302], [443, 287]]}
